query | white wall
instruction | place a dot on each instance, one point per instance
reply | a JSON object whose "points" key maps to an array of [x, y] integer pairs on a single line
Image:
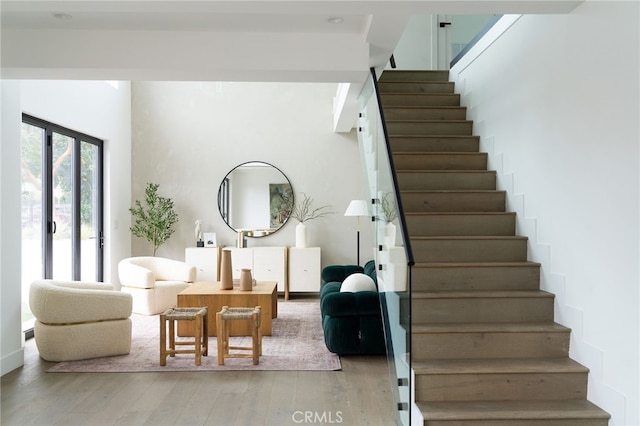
{"points": [[188, 135], [555, 100], [415, 48], [11, 353], [94, 108]]}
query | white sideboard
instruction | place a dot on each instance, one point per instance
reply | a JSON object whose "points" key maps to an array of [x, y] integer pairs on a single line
{"points": [[304, 270], [266, 263], [295, 269], [206, 260]]}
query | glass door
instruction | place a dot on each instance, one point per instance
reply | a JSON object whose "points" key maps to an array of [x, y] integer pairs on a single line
{"points": [[91, 236], [62, 230]]}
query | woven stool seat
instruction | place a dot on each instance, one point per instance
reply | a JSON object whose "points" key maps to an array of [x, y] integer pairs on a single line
{"points": [[200, 340], [238, 314], [188, 314]]}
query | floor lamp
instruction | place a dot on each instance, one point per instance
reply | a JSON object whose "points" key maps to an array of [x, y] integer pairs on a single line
{"points": [[357, 208]]}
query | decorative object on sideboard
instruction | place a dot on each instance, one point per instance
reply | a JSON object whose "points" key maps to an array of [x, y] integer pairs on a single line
{"points": [[246, 280], [210, 239], [198, 232], [303, 211], [154, 220], [226, 271], [357, 208]]}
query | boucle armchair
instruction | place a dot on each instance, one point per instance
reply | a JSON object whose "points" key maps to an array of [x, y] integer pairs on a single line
{"points": [[154, 282], [80, 320]]}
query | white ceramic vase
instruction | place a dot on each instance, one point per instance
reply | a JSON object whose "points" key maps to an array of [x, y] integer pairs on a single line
{"points": [[390, 235], [301, 235]]}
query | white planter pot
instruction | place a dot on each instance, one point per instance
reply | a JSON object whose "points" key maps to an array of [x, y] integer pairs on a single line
{"points": [[301, 235], [390, 235]]}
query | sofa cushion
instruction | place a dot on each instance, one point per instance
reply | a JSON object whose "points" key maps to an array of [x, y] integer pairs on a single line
{"points": [[63, 302], [338, 273], [370, 269], [358, 282], [339, 304], [354, 335], [329, 288]]}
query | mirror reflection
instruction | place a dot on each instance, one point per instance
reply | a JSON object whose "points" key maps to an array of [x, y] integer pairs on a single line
{"points": [[255, 197]]}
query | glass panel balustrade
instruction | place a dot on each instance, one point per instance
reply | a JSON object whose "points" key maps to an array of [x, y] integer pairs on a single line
{"points": [[392, 252]]}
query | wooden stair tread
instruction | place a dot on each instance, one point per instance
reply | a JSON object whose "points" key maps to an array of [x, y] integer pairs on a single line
{"points": [[427, 137], [422, 171], [438, 121], [471, 237], [475, 264], [427, 214], [548, 327], [498, 366], [436, 107], [480, 294], [386, 80], [516, 410], [392, 93], [434, 153], [434, 136], [451, 191]]}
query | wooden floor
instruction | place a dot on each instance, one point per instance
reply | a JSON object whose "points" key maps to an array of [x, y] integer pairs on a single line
{"points": [[360, 394]]}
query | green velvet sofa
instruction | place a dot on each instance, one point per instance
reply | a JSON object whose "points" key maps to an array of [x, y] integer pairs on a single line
{"points": [[352, 322]]}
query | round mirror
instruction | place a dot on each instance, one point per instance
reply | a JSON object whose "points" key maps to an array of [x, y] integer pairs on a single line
{"points": [[256, 198]]}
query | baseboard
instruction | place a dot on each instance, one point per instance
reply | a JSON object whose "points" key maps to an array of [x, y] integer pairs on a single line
{"points": [[11, 361]]}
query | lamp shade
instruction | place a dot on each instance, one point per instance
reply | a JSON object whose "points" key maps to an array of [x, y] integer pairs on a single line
{"points": [[357, 208]]}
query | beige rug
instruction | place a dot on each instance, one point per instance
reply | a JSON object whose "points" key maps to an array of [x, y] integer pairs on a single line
{"points": [[297, 343]]}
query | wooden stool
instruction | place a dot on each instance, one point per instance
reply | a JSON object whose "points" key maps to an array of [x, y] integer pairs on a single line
{"points": [[200, 340], [237, 314]]}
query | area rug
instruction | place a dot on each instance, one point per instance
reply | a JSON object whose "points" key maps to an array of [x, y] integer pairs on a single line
{"points": [[297, 343]]}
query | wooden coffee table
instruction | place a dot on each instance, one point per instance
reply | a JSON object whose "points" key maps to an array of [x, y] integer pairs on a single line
{"points": [[209, 294]]}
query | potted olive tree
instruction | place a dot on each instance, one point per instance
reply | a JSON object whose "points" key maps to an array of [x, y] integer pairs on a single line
{"points": [[154, 219]]}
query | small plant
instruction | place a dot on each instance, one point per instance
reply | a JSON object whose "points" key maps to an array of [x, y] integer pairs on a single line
{"points": [[304, 211], [388, 208], [154, 221]]}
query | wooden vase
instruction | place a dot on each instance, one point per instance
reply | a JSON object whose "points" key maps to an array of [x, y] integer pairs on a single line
{"points": [[226, 271], [246, 280]]}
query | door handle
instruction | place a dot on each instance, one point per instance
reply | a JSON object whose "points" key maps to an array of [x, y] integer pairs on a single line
{"points": [[100, 239]]}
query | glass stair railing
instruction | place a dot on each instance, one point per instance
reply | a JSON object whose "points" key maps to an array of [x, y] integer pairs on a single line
{"points": [[393, 251]]}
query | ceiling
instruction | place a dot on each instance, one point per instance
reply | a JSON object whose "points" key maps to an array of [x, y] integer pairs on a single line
{"points": [[210, 40]]}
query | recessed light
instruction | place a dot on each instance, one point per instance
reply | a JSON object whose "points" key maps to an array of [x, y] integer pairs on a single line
{"points": [[61, 16], [335, 20]]}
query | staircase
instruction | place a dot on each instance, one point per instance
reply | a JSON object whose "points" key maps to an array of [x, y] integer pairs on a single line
{"points": [[485, 348]]}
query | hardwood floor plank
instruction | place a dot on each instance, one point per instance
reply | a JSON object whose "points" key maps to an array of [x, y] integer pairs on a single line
{"points": [[282, 399], [255, 401], [199, 407]]}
